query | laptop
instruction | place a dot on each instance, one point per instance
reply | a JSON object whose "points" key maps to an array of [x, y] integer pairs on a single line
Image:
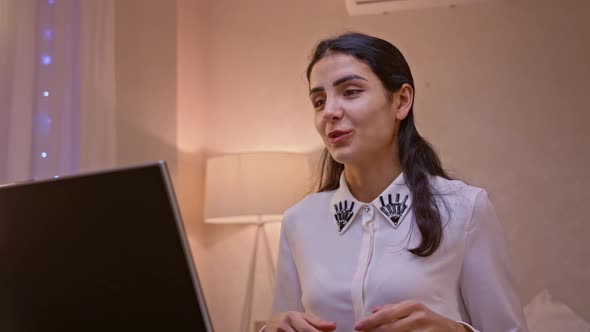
{"points": [[105, 251]]}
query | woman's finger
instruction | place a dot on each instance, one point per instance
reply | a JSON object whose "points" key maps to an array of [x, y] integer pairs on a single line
{"points": [[405, 324], [302, 325], [387, 314], [283, 327], [318, 323]]}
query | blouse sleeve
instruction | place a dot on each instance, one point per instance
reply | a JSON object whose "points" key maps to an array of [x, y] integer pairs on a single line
{"points": [[487, 286], [287, 289]]}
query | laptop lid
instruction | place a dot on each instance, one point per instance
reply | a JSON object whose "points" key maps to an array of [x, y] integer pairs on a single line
{"points": [[97, 252]]}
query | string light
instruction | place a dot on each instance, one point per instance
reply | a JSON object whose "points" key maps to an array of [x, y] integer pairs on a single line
{"points": [[44, 119], [46, 59], [56, 89], [48, 34]]}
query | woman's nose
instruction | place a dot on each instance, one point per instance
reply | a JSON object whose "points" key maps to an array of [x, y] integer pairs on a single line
{"points": [[332, 110]]}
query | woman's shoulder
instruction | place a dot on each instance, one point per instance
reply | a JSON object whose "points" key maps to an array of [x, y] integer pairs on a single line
{"points": [[459, 198], [455, 189]]}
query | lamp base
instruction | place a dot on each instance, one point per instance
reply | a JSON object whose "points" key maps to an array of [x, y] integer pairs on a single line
{"points": [[249, 299]]}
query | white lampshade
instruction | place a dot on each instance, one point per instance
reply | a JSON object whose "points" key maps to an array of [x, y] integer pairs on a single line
{"points": [[254, 187]]}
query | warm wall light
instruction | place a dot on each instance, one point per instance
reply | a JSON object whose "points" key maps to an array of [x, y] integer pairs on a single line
{"points": [[254, 188]]}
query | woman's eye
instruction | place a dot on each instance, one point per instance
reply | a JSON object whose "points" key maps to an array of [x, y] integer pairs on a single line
{"points": [[319, 103], [351, 92]]}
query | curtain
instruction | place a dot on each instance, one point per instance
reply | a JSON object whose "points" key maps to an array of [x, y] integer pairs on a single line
{"points": [[57, 87]]}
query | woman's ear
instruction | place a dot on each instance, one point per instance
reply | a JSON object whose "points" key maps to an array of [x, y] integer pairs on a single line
{"points": [[403, 101]]}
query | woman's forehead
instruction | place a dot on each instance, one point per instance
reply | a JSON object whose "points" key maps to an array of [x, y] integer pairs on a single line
{"points": [[335, 65]]}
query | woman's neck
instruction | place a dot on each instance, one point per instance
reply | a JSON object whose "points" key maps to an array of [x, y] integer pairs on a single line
{"points": [[366, 182]]}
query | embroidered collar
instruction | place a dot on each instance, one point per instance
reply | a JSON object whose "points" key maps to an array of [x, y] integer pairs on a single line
{"points": [[394, 204]]}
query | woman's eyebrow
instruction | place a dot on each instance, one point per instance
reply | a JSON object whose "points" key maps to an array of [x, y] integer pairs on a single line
{"points": [[338, 82]]}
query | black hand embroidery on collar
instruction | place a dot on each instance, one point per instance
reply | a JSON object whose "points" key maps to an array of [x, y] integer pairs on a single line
{"points": [[394, 210], [343, 214]]}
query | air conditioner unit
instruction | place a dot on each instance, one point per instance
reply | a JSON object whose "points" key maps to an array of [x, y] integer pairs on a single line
{"points": [[372, 7]]}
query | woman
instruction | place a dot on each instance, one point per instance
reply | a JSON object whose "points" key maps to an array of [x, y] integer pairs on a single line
{"points": [[389, 242]]}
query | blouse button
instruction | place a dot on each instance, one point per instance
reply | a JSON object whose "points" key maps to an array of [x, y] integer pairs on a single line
{"points": [[367, 209]]}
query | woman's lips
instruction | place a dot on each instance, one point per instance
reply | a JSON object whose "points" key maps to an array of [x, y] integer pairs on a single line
{"points": [[337, 136]]}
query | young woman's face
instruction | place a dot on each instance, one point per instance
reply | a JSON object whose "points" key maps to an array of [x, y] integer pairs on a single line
{"points": [[353, 113]]}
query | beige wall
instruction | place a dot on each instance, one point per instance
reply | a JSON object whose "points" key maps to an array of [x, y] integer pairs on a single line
{"points": [[500, 93], [145, 65], [190, 135]]}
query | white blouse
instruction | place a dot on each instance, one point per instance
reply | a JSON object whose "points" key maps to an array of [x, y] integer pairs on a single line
{"points": [[339, 257]]}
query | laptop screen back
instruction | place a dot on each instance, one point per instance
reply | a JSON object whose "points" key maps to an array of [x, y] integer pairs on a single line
{"points": [[100, 252]]}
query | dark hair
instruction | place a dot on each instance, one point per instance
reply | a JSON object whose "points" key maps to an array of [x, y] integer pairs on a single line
{"points": [[418, 158]]}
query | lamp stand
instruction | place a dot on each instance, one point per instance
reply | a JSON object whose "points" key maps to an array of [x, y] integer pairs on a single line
{"points": [[248, 301]]}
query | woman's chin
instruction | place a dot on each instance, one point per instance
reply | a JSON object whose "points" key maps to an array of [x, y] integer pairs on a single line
{"points": [[343, 156]]}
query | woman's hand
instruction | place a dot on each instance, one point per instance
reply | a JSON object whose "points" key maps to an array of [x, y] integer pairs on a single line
{"points": [[408, 316], [293, 321]]}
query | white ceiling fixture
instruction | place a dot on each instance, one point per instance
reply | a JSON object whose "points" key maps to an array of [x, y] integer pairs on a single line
{"points": [[372, 7]]}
